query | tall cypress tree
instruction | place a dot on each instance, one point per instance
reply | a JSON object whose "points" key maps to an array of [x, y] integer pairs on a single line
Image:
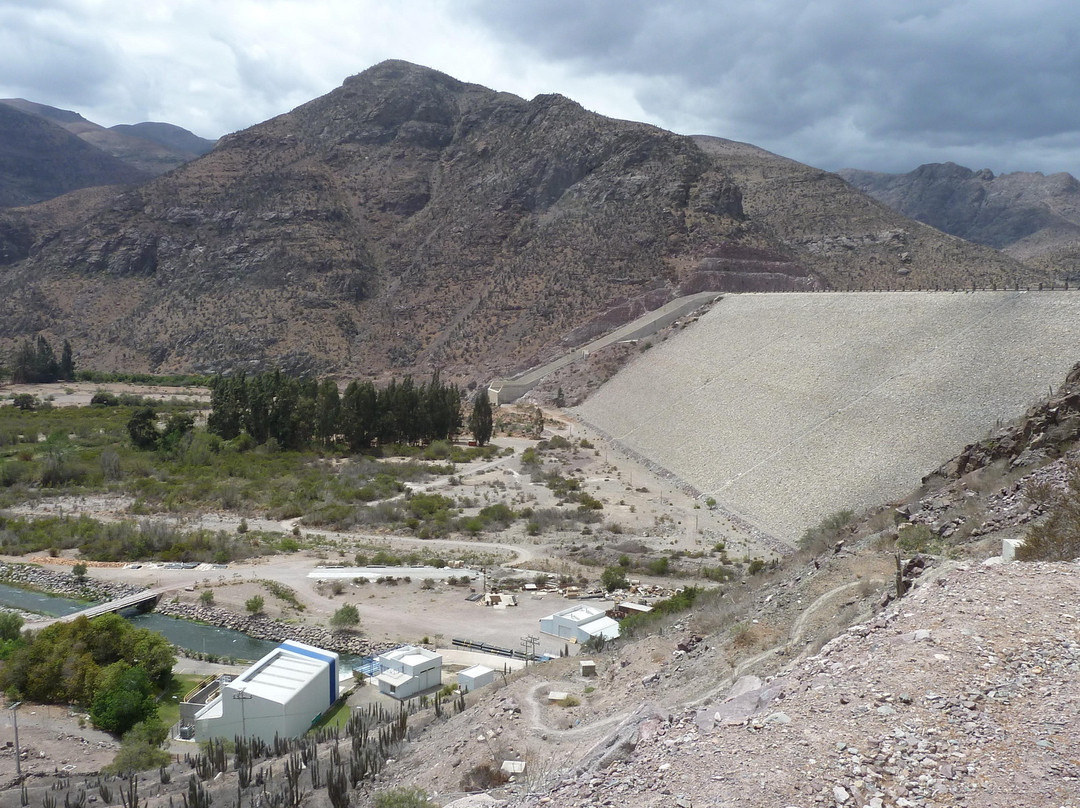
{"points": [[67, 363], [480, 421]]}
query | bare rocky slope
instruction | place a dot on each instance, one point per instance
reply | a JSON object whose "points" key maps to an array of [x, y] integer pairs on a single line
{"points": [[40, 160], [407, 221], [148, 148], [1031, 216], [816, 685], [855, 240], [786, 408]]}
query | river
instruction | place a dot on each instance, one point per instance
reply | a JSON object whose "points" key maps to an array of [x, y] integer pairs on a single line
{"points": [[222, 642]]}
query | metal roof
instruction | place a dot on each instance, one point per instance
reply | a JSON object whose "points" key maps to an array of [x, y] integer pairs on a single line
{"points": [[277, 676]]}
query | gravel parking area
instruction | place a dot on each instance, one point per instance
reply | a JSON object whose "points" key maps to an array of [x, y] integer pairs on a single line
{"points": [[789, 407]]}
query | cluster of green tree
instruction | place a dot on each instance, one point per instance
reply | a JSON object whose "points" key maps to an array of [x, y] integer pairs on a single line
{"points": [[170, 380], [104, 664], [11, 624], [145, 434], [296, 413], [37, 364]]}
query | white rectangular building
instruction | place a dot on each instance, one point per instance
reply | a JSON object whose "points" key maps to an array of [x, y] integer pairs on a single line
{"points": [[580, 624], [283, 694], [409, 670], [476, 676]]}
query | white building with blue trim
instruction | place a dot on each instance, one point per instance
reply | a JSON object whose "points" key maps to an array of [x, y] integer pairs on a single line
{"points": [[283, 694]]}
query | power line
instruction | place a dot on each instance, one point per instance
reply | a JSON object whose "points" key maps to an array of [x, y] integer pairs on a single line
{"points": [[529, 643]]}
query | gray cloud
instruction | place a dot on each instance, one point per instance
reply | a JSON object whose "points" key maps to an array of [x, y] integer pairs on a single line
{"points": [[883, 85], [46, 53], [878, 84]]}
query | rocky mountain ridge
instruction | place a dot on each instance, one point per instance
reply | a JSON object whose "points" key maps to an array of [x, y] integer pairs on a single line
{"points": [[1031, 216], [40, 160], [148, 148], [408, 221]]}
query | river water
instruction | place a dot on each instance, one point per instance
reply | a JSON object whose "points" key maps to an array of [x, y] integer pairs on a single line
{"points": [[222, 642]]}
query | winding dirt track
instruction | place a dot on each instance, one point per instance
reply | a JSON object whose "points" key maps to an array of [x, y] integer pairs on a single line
{"points": [[534, 703]]}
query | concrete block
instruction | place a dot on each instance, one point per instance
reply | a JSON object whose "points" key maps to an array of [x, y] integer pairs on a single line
{"points": [[1008, 548]]}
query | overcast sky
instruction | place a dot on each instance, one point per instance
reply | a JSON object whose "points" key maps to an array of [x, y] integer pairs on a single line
{"points": [[877, 84]]}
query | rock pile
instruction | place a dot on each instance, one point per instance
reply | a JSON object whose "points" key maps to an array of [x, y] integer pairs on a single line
{"points": [[1034, 439], [62, 584], [264, 628]]}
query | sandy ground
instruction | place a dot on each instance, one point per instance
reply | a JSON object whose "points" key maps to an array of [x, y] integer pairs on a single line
{"points": [[51, 739], [78, 394]]}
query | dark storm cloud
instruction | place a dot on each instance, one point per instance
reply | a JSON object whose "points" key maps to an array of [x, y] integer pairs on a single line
{"points": [[883, 85]]}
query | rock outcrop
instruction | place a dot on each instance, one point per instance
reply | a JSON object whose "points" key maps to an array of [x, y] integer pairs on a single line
{"points": [[408, 221]]}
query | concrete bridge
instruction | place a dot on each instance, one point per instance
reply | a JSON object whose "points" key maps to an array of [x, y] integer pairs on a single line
{"points": [[144, 600]]}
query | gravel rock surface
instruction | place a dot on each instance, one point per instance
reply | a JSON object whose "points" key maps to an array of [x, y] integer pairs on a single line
{"points": [[966, 693], [789, 407]]}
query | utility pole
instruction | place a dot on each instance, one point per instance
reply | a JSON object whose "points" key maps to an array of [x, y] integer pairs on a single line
{"points": [[243, 696], [15, 719], [529, 643]]}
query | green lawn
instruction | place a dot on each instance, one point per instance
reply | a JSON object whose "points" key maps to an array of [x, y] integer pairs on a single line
{"points": [[179, 686], [337, 716]]}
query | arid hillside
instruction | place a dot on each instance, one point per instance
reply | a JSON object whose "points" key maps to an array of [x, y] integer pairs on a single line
{"points": [[147, 148], [408, 221], [856, 241], [1032, 217], [40, 160]]}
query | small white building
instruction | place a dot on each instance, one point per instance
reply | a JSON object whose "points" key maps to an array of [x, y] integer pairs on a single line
{"points": [[580, 624], [283, 694], [476, 676], [409, 670]]}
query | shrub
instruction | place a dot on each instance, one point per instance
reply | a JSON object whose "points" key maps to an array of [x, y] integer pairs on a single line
{"points": [[345, 618], [1057, 538], [915, 537], [570, 701], [479, 778], [110, 465], [402, 797], [720, 573], [659, 566], [613, 578], [141, 749], [254, 604], [831, 529]]}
